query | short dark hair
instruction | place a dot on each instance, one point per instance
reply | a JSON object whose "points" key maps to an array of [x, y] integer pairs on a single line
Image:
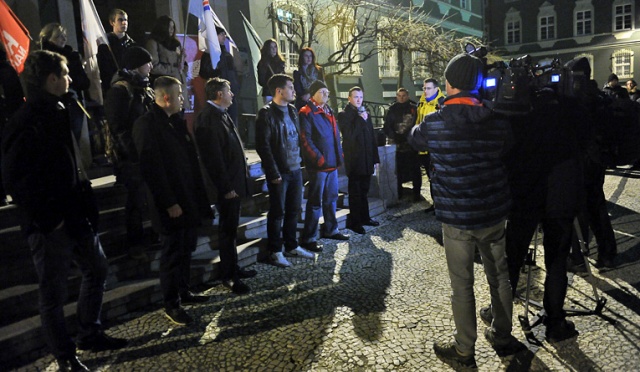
{"points": [[431, 80], [633, 83], [356, 89], [278, 81], [37, 68], [162, 84], [114, 13], [213, 86], [402, 90]]}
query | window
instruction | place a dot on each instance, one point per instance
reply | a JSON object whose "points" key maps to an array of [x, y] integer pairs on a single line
{"points": [[387, 59], [583, 23], [622, 63], [546, 22], [342, 36], [418, 69], [286, 21], [547, 28], [622, 15], [512, 27], [465, 4]]}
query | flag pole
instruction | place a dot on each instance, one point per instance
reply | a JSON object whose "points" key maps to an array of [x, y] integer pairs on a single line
{"points": [[15, 17]]}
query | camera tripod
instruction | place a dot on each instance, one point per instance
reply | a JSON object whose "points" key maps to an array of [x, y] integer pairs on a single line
{"points": [[530, 262]]}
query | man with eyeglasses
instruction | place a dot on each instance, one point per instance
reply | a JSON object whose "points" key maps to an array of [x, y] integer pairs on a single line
{"points": [[322, 153]]}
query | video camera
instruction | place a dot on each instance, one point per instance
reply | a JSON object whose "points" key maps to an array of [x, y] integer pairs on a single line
{"points": [[508, 89]]}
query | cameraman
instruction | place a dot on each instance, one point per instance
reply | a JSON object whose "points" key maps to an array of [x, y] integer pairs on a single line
{"points": [[471, 194], [545, 175]]}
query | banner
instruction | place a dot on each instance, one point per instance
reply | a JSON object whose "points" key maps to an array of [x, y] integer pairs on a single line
{"points": [[255, 43], [207, 23], [15, 37], [93, 35]]}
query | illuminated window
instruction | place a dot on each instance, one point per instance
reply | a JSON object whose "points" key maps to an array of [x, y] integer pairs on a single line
{"points": [[512, 26], [622, 63]]}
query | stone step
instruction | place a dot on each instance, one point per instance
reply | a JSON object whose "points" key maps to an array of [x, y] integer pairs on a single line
{"points": [[22, 341]]}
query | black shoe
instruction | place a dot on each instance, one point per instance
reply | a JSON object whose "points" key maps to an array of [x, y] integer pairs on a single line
{"points": [[504, 346], [430, 209], [561, 331], [100, 342], [236, 286], [450, 353], [71, 365], [178, 316], [246, 273], [372, 223], [605, 263], [576, 268], [189, 298], [485, 315], [311, 247], [337, 236], [357, 228]]}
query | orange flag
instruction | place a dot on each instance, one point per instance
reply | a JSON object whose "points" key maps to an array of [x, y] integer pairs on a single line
{"points": [[15, 37]]}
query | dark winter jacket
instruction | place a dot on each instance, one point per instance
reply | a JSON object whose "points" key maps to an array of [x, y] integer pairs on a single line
{"points": [[169, 166], [358, 142], [319, 138], [225, 69], [221, 151], [398, 121], [266, 69], [271, 139], [40, 171], [469, 180], [110, 61], [79, 79], [128, 99]]}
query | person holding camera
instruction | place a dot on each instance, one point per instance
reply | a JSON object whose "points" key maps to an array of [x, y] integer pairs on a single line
{"points": [[360, 157], [471, 190]]}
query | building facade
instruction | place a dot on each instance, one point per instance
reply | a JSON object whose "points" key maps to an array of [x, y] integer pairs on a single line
{"points": [[607, 33], [378, 75]]}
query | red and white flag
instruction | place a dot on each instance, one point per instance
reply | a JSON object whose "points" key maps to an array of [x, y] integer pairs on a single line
{"points": [[15, 37], [208, 21], [93, 35]]}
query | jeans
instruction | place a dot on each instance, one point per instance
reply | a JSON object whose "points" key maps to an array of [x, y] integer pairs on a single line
{"points": [[285, 199], [175, 264], [358, 200], [323, 196], [229, 210], [459, 247], [52, 255], [557, 243]]}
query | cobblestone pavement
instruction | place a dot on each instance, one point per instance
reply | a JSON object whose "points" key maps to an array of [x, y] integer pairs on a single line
{"points": [[377, 303]]}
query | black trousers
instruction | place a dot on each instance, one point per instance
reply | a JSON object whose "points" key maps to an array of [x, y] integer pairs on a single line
{"points": [[557, 243], [408, 169], [229, 210], [175, 264], [358, 200]]}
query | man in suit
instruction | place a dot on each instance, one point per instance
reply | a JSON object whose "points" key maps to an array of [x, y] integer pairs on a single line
{"points": [[223, 157]]}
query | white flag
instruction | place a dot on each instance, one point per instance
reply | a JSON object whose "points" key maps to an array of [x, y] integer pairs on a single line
{"points": [[255, 43], [93, 35]]}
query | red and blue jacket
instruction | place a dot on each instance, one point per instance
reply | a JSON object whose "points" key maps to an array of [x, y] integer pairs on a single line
{"points": [[319, 138]]}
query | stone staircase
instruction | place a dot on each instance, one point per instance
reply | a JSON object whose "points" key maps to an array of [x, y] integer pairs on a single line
{"points": [[131, 284]]}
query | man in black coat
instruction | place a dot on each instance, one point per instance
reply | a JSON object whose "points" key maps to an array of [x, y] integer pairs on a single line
{"points": [[223, 157], [397, 126], [110, 56], [129, 99], [170, 168], [360, 157], [43, 173]]}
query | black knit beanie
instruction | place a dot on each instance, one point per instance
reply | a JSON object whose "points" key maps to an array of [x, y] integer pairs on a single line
{"points": [[135, 57], [316, 86], [464, 72]]}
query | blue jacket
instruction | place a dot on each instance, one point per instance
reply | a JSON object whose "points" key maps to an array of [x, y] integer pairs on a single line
{"points": [[319, 139], [470, 185]]}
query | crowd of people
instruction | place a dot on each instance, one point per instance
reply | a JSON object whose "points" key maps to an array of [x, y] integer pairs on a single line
{"points": [[475, 162]]}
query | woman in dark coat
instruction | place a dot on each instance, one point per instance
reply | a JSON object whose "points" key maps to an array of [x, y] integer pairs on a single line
{"points": [[271, 62], [308, 72]]}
